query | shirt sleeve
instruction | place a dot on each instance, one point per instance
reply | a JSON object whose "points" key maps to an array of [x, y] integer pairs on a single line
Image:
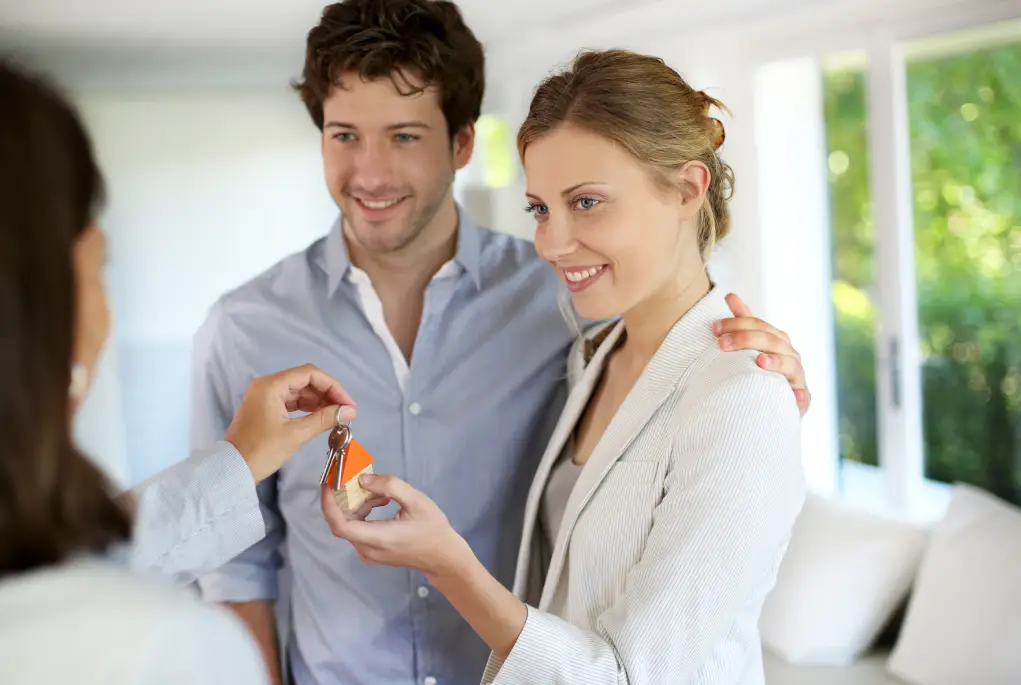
{"points": [[217, 388], [203, 646], [733, 491], [195, 516]]}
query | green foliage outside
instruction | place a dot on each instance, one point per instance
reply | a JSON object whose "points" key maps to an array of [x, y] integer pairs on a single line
{"points": [[965, 122]]}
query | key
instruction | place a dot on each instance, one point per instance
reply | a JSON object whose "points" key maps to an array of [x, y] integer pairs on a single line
{"points": [[346, 460]]}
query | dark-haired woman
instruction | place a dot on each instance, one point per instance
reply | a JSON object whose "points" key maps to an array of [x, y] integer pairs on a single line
{"points": [[72, 608]]}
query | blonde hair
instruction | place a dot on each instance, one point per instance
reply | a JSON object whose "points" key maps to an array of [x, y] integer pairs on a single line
{"points": [[643, 105]]}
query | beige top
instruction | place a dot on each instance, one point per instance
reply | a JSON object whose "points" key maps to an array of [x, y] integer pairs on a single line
{"points": [[558, 489]]}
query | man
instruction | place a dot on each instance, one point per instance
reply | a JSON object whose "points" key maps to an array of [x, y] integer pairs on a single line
{"points": [[448, 335]]}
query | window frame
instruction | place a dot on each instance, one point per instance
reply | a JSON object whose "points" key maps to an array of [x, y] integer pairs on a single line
{"points": [[898, 485]]}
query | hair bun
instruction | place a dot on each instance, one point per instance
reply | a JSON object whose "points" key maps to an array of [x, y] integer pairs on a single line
{"points": [[721, 134]]}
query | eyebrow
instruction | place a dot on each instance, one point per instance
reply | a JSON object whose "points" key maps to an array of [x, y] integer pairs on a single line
{"points": [[391, 127], [568, 191]]}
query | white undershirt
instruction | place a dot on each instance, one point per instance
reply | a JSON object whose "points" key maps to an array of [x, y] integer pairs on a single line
{"points": [[373, 308]]}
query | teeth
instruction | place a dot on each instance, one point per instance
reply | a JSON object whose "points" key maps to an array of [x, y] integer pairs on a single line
{"points": [[576, 276], [381, 204]]}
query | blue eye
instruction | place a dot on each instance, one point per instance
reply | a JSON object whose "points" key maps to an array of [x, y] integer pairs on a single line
{"points": [[405, 137], [344, 136], [586, 202], [537, 209]]}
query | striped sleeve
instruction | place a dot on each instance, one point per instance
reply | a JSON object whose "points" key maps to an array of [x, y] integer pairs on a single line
{"points": [[196, 515], [732, 493]]}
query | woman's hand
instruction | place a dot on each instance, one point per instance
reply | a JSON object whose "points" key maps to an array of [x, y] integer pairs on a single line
{"points": [[418, 537], [264, 432]]}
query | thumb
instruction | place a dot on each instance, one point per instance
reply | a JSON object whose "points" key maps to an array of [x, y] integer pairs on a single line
{"points": [[737, 305], [392, 487], [319, 421]]}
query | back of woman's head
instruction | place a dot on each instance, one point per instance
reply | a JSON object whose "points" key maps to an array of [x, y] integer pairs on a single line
{"points": [[646, 108], [53, 502]]}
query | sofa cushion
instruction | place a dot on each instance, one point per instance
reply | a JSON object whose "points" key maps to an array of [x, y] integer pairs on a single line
{"points": [[845, 574], [963, 621]]}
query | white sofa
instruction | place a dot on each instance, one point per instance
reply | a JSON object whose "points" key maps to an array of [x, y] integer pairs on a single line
{"points": [[863, 599], [868, 670]]}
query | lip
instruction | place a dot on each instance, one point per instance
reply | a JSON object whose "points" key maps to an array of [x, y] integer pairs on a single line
{"points": [[379, 211], [578, 286]]}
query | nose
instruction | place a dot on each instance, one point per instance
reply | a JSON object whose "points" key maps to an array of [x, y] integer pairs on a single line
{"points": [[373, 168], [555, 239]]}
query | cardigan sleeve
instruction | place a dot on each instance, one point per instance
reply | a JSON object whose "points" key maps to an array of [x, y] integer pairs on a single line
{"points": [[733, 490]]}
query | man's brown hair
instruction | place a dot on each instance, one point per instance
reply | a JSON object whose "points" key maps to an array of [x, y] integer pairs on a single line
{"points": [[409, 41]]}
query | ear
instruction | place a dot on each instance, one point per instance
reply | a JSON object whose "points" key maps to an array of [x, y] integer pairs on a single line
{"points": [[463, 145], [692, 180]]}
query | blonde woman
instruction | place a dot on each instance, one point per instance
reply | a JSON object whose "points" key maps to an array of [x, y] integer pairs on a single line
{"points": [[665, 499]]}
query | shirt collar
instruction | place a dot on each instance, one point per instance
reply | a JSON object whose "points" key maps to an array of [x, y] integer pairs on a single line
{"points": [[467, 255]]}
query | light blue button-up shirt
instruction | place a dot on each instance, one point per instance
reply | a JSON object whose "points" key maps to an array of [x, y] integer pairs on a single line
{"points": [[481, 397]]}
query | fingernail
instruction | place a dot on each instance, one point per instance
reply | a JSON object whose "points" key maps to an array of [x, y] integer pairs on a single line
{"points": [[366, 479], [345, 413], [768, 361], [717, 327], [726, 341]]}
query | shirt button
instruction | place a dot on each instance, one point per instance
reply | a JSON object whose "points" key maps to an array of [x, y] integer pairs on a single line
{"points": [[423, 591], [415, 408], [429, 680]]}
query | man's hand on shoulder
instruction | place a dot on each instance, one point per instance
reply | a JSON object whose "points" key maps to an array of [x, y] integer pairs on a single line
{"points": [[746, 332]]}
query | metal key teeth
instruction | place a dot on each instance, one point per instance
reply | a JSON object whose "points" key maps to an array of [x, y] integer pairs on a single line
{"points": [[339, 440]]}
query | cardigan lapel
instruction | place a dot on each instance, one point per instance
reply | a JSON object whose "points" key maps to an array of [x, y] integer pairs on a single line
{"points": [[687, 339], [577, 400]]}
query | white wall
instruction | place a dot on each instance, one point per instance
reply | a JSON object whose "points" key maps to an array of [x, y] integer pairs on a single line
{"points": [[206, 190]]}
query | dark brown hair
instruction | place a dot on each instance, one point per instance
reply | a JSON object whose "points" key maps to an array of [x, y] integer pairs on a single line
{"points": [[643, 105], [53, 502], [425, 39]]}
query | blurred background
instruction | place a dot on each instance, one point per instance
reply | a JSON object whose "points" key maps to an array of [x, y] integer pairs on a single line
{"points": [[877, 148]]}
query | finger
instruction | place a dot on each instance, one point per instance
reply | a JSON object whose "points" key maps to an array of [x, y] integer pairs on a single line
{"points": [[789, 367], [335, 517], [744, 323], [737, 305], [293, 381], [307, 400], [308, 427], [804, 399], [393, 488], [368, 505], [341, 524], [760, 341]]}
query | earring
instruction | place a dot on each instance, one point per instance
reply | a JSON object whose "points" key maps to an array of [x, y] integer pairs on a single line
{"points": [[79, 381]]}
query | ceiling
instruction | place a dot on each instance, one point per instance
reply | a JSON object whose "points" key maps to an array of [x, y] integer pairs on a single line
{"points": [[241, 24], [234, 41], [255, 38]]}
